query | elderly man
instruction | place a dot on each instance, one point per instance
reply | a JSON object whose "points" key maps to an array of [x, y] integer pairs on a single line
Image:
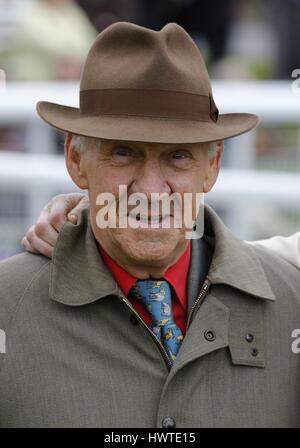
{"points": [[140, 326]]}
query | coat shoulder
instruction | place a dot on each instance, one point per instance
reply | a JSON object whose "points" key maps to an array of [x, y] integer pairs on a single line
{"points": [[16, 275], [283, 277]]}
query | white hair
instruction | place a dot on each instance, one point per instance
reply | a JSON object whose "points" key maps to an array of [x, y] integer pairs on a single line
{"points": [[212, 149], [80, 142]]}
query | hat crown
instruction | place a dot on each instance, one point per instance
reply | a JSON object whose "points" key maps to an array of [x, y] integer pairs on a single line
{"points": [[148, 86], [129, 56]]}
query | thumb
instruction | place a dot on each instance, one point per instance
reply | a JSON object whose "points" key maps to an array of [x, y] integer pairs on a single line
{"points": [[76, 212]]}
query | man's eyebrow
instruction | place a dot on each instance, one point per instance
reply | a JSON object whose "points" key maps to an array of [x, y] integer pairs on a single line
{"points": [[180, 146], [162, 145], [118, 142]]}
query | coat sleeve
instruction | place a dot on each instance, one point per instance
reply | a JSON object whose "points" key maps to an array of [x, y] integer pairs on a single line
{"points": [[16, 275], [286, 247]]}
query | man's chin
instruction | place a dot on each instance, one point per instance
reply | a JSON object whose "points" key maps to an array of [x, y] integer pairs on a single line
{"points": [[157, 247], [147, 252]]}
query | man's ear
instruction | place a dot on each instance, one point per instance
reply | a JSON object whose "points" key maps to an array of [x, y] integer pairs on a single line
{"points": [[75, 164], [213, 167]]}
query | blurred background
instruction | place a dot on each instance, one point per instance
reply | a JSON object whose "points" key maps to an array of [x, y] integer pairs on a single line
{"points": [[252, 48]]}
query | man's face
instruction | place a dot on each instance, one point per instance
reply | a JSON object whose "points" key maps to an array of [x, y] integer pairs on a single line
{"points": [[144, 168]]}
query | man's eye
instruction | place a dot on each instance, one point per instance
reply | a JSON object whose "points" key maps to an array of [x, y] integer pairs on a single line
{"points": [[179, 155], [123, 152]]}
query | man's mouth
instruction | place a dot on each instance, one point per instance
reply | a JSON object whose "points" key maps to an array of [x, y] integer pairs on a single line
{"points": [[150, 220]]}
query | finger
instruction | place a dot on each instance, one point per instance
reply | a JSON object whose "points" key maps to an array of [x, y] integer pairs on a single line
{"points": [[44, 249], [57, 215], [36, 245], [46, 232], [77, 211], [27, 246], [73, 218], [59, 207]]}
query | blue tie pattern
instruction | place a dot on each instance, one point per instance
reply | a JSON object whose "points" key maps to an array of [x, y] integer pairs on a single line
{"points": [[156, 297]]}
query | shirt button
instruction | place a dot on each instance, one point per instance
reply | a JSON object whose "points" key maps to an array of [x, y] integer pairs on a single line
{"points": [[168, 422], [210, 335], [133, 320], [249, 337]]}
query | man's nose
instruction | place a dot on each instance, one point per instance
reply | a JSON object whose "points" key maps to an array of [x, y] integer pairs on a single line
{"points": [[149, 178]]}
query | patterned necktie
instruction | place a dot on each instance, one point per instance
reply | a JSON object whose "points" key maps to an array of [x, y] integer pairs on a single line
{"points": [[156, 297]]}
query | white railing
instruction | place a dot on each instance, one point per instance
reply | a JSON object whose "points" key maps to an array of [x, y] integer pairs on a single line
{"points": [[41, 173], [274, 101]]}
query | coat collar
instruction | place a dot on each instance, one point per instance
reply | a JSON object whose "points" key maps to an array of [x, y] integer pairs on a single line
{"points": [[79, 276], [235, 262]]}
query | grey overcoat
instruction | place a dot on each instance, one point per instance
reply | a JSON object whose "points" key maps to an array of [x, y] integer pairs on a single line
{"points": [[77, 355]]}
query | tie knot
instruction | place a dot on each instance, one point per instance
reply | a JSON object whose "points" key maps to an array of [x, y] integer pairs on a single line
{"points": [[155, 295]]}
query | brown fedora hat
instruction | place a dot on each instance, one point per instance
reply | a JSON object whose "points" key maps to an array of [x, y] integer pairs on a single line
{"points": [[149, 86]]}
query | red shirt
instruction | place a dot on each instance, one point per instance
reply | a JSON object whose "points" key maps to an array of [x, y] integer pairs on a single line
{"points": [[176, 275]]}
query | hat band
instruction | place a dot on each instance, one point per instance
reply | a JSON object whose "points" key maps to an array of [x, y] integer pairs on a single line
{"points": [[148, 103]]}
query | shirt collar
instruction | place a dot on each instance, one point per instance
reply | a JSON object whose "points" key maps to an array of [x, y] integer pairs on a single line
{"points": [[177, 275], [79, 276], [122, 277]]}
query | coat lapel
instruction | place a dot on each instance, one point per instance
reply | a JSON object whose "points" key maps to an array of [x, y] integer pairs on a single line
{"points": [[234, 307], [78, 274]]}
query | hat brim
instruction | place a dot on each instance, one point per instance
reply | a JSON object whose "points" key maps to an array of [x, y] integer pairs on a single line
{"points": [[145, 129]]}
